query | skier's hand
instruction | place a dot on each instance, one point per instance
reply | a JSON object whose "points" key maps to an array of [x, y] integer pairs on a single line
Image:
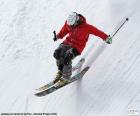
{"points": [[55, 39], [109, 40], [55, 36]]}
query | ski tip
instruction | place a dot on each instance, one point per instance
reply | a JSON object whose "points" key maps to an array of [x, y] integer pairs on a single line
{"points": [[87, 68], [38, 95], [82, 60], [37, 89]]}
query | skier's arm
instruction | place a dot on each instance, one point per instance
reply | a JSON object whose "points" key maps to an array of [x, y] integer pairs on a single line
{"points": [[64, 31], [93, 30]]}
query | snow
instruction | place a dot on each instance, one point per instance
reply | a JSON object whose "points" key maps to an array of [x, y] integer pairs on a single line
{"points": [[111, 87]]}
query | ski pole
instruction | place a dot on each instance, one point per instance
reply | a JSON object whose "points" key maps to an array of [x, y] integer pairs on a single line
{"points": [[120, 27]]}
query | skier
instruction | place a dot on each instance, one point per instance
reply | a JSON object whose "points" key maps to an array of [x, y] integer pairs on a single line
{"points": [[77, 30]]}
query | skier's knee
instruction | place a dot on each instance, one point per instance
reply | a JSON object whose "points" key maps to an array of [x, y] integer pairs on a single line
{"points": [[57, 54]]}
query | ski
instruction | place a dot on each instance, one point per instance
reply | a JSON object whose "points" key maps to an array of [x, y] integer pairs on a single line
{"points": [[56, 87], [76, 67]]}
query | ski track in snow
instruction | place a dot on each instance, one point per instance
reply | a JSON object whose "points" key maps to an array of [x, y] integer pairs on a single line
{"points": [[110, 87]]}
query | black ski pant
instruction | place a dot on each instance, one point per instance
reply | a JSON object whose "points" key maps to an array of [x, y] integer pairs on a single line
{"points": [[60, 54]]}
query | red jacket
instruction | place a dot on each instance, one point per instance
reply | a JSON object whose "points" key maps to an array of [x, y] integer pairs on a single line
{"points": [[78, 35]]}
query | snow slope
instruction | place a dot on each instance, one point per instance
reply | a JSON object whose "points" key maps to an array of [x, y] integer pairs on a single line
{"points": [[112, 85]]}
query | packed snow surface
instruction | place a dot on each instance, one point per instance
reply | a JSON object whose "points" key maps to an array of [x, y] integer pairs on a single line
{"points": [[111, 87]]}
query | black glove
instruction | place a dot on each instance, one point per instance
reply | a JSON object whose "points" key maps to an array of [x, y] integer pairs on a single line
{"points": [[55, 36], [109, 40]]}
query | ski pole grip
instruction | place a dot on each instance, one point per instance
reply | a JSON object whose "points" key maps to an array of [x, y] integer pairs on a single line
{"points": [[54, 32], [55, 37]]}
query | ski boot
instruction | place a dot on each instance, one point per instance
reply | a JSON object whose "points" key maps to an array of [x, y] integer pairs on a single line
{"points": [[61, 82], [58, 76]]}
